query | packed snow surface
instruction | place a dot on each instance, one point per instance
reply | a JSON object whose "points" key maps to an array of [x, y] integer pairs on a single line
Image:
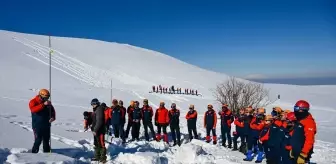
{"points": [[83, 69]]}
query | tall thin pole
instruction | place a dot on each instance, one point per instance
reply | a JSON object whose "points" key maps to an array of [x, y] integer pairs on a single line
{"points": [[111, 92], [50, 51]]}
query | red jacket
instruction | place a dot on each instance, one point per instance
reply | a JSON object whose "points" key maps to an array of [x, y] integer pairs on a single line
{"points": [[161, 116], [41, 113]]}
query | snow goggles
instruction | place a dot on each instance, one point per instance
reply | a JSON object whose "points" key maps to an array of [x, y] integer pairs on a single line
{"points": [[94, 103], [297, 108]]}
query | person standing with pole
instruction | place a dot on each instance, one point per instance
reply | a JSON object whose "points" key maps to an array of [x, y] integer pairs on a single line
{"points": [[43, 114]]}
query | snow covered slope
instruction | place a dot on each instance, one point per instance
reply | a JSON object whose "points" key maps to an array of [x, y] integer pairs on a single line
{"points": [[83, 69]]}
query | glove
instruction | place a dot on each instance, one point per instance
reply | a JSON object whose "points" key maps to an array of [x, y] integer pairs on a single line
{"points": [[301, 159], [291, 154]]}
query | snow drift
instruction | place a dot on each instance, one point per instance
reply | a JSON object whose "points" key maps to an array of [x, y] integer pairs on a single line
{"points": [[83, 69]]}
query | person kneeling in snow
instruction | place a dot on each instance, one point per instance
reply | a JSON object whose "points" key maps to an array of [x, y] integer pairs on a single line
{"points": [[174, 121], [43, 114], [162, 121], [191, 122], [210, 121]]}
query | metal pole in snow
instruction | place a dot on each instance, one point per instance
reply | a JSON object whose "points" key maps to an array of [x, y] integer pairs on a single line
{"points": [[111, 92], [50, 51]]}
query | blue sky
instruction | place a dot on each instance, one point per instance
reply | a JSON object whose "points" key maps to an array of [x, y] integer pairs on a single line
{"points": [[255, 39]]}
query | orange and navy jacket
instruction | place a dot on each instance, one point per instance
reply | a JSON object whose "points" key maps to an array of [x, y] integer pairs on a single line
{"points": [[174, 117], [88, 120], [303, 137], [191, 118], [285, 142], [116, 115], [147, 113], [161, 116], [41, 113], [256, 125], [123, 117], [129, 113], [107, 114], [239, 122], [210, 119], [265, 133], [226, 118]]}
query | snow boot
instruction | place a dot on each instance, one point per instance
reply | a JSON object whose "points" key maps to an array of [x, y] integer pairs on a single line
{"points": [[260, 157], [230, 146], [223, 144], [97, 152], [207, 138], [235, 147], [249, 156], [158, 137], [214, 138]]}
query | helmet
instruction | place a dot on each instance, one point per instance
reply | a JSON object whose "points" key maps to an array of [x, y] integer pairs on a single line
{"points": [[114, 101], [95, 101], [261, 110], [132, 103], [191, 106], [210, 106], [225, 106], [44, 93], [173, 105], [291, 116], [301, 105], [277, 109], [269, 117], [121, 102]]}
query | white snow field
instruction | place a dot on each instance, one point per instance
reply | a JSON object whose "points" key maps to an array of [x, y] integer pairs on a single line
{"points": [[82, 70]]}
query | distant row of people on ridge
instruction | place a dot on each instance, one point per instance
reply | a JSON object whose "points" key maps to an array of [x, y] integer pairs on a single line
{"points": [[172, 90]]}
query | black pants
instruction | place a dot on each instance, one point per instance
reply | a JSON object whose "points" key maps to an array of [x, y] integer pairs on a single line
{"points": [[242, 140], [226, 135], [192, 129], [208, 130], [41, 134], [135, 130], [118, 131], [100, 149], [164, 129], [128, 128], [151, 128], [175, 132]]}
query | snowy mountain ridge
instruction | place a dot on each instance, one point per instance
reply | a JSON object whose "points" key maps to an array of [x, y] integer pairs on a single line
{"points": [[83, 69]]}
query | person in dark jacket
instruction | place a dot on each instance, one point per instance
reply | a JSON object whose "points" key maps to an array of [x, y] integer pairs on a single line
{"points": [[304, 131], [247, 129], [239, 133], [98, 130], [210, 122], [285, 148], [226, 120], [191, 122], [136, 118], [123, 117], [147, 114], [116, 116], [88, 116], [256, 125], [174, 122], [129, 121], [43, 114], [265, 141]]}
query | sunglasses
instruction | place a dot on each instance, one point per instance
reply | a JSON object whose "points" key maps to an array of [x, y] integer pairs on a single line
{"points": [[297, 108]]}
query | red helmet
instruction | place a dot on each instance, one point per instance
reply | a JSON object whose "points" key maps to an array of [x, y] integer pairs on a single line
{"points": [[301, 105], [291, 116]]}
